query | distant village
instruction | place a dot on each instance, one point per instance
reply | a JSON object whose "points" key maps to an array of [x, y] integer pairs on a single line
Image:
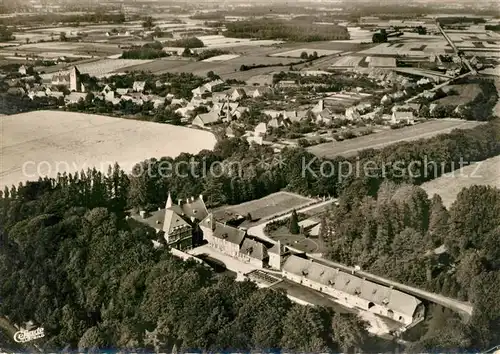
{"points": [[307, 113]]}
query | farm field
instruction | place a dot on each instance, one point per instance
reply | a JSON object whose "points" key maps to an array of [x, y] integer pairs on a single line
{"points": [[223, 57], [272, 204], [219, 41], [231, 66], [103, 67], [295, 53], [379, 140], [413, 48], [347, 61], [43, 143], [69, 49], [449, 185], [357, 35], [155, 66]]}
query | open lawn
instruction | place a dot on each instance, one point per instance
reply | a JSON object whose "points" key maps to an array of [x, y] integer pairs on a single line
{"points": [[388, 137], [449, 185], [43, 143], [300, 242], [273, 204], [465, 94]]}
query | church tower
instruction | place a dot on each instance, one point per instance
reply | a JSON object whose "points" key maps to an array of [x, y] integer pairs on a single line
{"points": [[75, 83]]}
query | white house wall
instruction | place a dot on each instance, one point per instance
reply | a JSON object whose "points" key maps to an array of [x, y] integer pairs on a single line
{"points": [[350, 300]]}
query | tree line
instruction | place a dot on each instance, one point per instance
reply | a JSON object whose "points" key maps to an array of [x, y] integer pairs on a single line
{"points": [[72, 263], [402, 234], [285, 30]]}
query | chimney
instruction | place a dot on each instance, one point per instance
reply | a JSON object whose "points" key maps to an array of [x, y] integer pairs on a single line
{"points": [[179, 201], [201, 196], [212, 222], [142, 213]]}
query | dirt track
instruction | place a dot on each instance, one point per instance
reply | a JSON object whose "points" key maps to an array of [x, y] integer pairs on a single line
{"points": [[379, 140]]}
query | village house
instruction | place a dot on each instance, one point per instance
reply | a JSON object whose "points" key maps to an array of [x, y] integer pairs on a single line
{"points": [[178, 102], [123, 91], [351, 113], [23, 70], [75, 97], [206, 119], [214, 85], [402, 117], [261, 91], [38, 93], [219, 97], [237, 94], [208, 87], [354, 291], [132, 98], [51, 92], [139, 86], [294, 116], [185, 112], [260, 129]]}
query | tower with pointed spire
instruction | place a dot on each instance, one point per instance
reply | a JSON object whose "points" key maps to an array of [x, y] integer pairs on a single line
{"points": [[169, 201]]}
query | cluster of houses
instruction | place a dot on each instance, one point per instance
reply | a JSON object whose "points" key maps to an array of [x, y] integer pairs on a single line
{"points": [[221, 105], [188, 223]]}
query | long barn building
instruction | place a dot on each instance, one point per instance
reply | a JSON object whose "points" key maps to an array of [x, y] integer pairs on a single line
{"points": [[354, 291]]}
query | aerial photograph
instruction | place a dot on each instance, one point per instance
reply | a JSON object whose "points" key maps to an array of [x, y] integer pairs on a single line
{"points": [[229, 176]]}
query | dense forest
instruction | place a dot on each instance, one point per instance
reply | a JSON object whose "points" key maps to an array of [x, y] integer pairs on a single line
{"points": [[191, 42], [146, 52], [5, 34], [394, 234], [70, 261], [285, 30]]}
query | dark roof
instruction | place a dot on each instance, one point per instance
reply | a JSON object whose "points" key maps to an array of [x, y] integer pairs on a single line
{"points": [[223, 231], [278, 248], [253, 249], [195, 209]]}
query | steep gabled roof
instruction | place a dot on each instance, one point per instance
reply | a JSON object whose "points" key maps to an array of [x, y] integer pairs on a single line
{"points": [[173, 222], [223, 231], [253, 249]]}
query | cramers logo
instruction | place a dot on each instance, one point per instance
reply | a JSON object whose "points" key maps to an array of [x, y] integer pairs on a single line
{"points": [[27, 336]]}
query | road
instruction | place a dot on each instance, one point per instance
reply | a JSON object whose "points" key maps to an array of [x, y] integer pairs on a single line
{"points": [[455, 305], [258, 230], [379, 140], [448, 39], [437, 87]]}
